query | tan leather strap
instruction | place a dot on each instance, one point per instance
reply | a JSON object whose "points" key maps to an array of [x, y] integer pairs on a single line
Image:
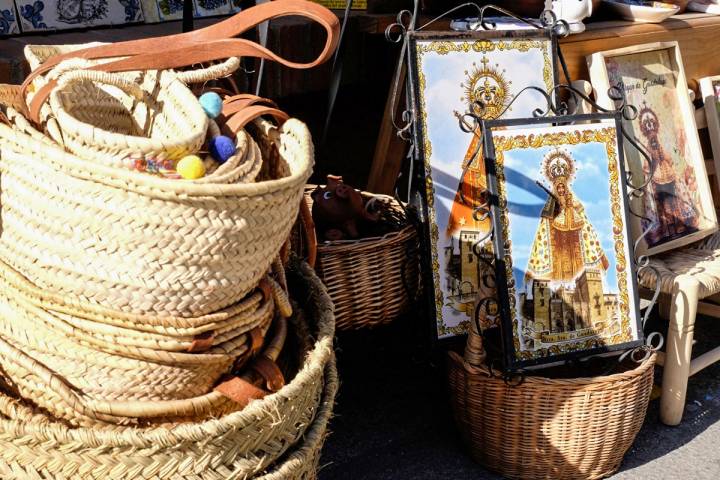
{"points": [[270, 372], [265, 288], [212, 43], [202, 342], [245, 116], [235, 103], [308, 227], [256, 340], [240, 390]]}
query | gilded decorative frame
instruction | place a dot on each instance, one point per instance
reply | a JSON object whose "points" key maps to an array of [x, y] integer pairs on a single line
{"points": [[442, 42], [597, 66], [495, 146]]}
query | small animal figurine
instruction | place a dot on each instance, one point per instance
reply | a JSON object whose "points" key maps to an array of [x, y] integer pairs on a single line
{"points": [[339, 210]]}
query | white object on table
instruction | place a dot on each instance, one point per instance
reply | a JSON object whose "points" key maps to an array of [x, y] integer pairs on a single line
{"points": [[642, 13], [572, 11]]}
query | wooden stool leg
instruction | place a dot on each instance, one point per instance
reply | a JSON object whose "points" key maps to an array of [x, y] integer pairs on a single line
{"points": [[679, 349]]}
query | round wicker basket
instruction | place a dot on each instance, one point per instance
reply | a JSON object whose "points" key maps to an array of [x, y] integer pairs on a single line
{"points": [[546, 428], [238, 445], [371, 280]]}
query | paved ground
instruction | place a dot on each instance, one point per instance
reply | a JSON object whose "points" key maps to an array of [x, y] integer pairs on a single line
{"points": [[393, 419]]}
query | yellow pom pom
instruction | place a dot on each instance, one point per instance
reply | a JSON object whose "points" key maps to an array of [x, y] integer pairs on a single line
{"points": [[191, 167]]}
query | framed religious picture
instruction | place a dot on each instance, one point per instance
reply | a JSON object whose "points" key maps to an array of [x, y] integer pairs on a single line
{"points": [[710, 91], [677, 208], [451, 74], [564, 259]]}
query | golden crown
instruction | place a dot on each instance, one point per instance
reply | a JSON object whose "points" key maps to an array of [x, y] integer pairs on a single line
{"points": [[486, 90], [558, 164]]}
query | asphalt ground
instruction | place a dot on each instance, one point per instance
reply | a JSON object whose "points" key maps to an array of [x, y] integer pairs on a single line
{"points": [[393, 417]]}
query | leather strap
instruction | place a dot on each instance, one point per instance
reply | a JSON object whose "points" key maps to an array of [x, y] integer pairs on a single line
{"points": [[308, 226], [215, 42], [265, 288], [256, 340], [270, 372], [202, 342], [240, 390]]}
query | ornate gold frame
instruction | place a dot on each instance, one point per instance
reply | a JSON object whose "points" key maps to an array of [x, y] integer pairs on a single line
{"points": [[581, 135], [442, 44]]}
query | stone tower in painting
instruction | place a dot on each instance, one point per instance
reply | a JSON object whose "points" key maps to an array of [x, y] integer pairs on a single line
{"points": [[592, 298]]}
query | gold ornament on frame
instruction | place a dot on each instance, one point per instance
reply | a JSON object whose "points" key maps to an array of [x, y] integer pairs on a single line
{"points": [[487, 91]]}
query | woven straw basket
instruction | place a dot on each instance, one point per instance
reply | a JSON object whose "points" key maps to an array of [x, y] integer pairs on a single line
{"points": [[89, 369], [302, 462], [122, 118], [550, 428], [142, 244], [371, 280], [237, 445]]}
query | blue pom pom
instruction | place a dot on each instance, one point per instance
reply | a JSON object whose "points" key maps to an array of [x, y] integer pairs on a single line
{"points": [[222, 148], [211, 103]]}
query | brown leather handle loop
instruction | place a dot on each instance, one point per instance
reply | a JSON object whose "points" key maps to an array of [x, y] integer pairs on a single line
{"points": [[308, 227], [211, 43], [270, 373]]}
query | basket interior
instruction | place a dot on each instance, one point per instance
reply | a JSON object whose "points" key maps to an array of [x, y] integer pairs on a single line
{"points": [[168, 111]]}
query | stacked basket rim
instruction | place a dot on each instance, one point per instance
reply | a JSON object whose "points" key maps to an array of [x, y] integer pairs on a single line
{"points": [[237, 445]]}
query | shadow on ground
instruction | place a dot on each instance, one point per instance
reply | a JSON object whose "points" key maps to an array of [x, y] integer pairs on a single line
{"points": [[393, 419]]}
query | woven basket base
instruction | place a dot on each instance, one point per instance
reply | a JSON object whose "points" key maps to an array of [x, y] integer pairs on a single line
{"points": [[559, 429]]}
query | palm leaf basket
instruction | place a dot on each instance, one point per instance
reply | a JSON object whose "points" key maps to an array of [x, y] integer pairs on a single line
{"points": [[241, 444], [547, 428], [371, 281], [79, 222]]}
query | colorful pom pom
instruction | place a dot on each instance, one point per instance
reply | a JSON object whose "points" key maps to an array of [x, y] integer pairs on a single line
{"points": [[211, 103], [222, 148], [191, 167]]}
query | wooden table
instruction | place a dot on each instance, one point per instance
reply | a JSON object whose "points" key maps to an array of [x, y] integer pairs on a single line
{"points": [[697, 33]]}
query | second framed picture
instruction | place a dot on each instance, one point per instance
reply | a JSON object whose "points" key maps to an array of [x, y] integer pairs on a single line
{"points": [[678, 207], [565, 273]]}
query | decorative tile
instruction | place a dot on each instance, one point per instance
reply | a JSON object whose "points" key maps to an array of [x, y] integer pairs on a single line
{"points": [[37, 15], [165, 10], [8, 18]]}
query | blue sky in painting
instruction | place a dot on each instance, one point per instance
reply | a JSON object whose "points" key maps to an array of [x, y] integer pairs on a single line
{"points": [[526, 200]]}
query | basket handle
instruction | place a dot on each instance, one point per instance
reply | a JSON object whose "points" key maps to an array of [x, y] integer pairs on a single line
{"points": [[308, 227], [213, 72], [208, 44], [106, 78]]}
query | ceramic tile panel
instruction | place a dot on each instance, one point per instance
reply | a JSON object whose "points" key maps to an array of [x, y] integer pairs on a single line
{"points": [[39, 15], [8, 18], [165, 10]]}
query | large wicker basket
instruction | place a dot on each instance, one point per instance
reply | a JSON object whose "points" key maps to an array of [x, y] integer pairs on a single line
{"points": [[371, 280], [546, 428], [238, 445]]}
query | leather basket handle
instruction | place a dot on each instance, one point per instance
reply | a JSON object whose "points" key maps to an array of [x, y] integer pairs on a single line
{"points": [[208, 44]]}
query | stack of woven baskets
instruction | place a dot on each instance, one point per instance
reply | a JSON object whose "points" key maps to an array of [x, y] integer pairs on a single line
{"points": [[142, 318]]}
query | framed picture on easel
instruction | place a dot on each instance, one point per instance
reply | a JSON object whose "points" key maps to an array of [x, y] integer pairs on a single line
{"points": [[564, 258], [678, 207], [452, 73]]}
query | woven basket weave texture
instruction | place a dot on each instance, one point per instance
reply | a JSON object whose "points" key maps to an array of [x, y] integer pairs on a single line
{"points": [[237, 445], [549, 428]]}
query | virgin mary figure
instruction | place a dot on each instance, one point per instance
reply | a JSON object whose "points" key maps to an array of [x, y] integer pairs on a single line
{"points": [[565, 243]]}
